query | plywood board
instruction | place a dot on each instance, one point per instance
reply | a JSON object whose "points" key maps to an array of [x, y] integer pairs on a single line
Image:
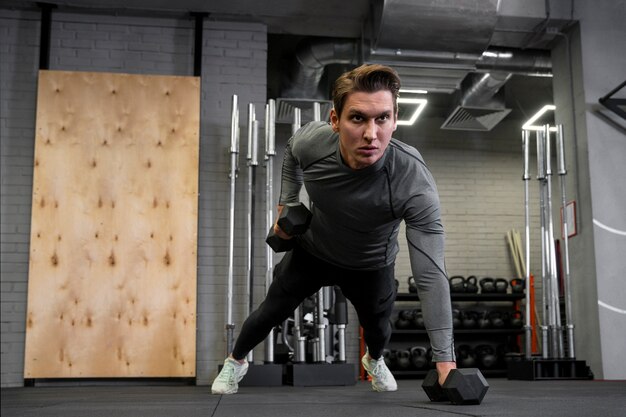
{"points": [[112, 278]]}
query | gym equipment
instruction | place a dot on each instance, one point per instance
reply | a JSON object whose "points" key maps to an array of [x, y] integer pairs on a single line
{"points": [[418, 357], [294, 220], [234, 165], [486, 356], [516, 320], [269, 373], [517, 285], [553, 363], [418, 320], [252, 158], [412, 285], [270, 152], [390, 358], [466, 356], [456, 318], [471, 284], [483, 321], [487, 285], [496, 318], [457, 284], [462, 386], [562, 171], [501, 285], [404, 320], [469, 319], [403, 359]]}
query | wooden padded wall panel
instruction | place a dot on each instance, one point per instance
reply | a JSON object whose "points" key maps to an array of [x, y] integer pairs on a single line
{"points": [[112, 278]]}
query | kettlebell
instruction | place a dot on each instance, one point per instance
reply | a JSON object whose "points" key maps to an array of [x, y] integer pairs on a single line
{"points": [[487, 285], [501, 285], [483, 321], [412, 285], [404, 320], [418, 320], [457, 284], [418, 357], [467, 357], [486, 356], [403, 359], [456, 318], [389, 357], [496, 319], [471, 284], [516, 319], [468, 320], [517, 285]]}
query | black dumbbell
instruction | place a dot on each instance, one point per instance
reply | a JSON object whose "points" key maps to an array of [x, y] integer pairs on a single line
{"points": [[462, 386], [412, 285], [294, 220]]}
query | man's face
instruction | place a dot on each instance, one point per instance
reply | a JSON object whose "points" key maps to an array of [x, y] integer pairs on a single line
{"points": [[365, 127]]}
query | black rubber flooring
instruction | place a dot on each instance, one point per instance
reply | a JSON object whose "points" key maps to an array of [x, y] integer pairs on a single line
{"points": [[504, 398]]}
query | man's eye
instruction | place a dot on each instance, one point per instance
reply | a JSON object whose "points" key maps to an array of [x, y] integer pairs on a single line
{"points": [[357, 118]]}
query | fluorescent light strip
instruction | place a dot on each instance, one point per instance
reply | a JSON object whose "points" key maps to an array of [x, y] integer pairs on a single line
{"points": [[412, 91], [421, 103], [529, 124]]}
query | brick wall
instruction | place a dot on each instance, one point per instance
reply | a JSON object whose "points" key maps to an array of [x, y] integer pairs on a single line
{"points": [[478, 176], [234, 62]]}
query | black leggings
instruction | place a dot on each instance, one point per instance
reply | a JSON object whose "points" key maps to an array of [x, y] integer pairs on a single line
{"points": [[300, 275]]}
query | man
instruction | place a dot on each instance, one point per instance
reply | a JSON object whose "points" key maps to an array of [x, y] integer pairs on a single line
{"points": [[362, 184]]}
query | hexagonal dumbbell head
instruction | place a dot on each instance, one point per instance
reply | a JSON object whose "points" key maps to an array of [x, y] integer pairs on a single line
{"points": [[466, 386], [294, 219], [432, 388]]}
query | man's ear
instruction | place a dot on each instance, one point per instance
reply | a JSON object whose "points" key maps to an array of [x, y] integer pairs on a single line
{"points": [[334, 120]]}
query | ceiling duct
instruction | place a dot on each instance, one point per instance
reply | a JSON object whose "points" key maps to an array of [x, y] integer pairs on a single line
{"points": [[443, 25], [437, 46], [481, 103], [312, 56]]}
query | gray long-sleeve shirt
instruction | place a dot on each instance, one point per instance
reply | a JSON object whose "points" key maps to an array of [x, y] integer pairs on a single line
{"points": [[357, 215]]}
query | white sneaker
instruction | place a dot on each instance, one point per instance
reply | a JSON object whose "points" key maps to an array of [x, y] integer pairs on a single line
{"points": [[382, 379], [227, 382]]}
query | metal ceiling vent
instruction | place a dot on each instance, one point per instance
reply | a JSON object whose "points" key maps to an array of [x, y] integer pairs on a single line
{"points": [[481, 106]]}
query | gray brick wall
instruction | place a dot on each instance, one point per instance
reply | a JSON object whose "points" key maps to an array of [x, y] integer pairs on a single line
{"points": [[234, 62]]}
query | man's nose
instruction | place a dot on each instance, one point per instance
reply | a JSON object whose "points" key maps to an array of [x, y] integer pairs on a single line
{"points": [[370, 131]]}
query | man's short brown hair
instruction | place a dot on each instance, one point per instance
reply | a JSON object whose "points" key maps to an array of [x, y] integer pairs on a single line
{"points": [[369, 79]]}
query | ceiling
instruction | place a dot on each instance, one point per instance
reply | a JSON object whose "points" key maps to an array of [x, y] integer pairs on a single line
{"points": [[432, 44]]}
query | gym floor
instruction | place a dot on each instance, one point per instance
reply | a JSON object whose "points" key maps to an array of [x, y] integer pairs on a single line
{"points": [[504, 398]]}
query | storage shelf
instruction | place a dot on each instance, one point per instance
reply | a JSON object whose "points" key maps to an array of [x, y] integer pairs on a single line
{"points": [[417, 332], [415, 374], [467, 297]]}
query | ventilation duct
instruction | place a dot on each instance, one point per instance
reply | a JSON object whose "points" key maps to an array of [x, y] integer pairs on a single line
{"points": [[434, 45], [481, 104], [443, 25]]}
